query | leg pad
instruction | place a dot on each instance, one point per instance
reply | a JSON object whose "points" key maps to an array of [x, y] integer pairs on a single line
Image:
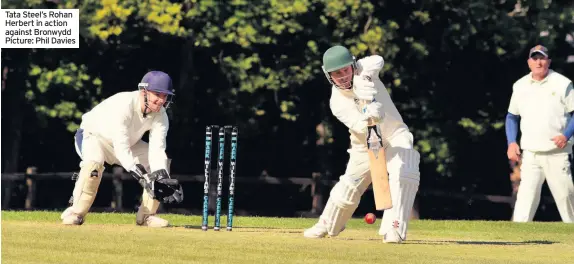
{"points": [[86, 187]]}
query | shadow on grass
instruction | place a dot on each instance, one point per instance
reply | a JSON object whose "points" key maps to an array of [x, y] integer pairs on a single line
{"points": [[498, 243], [463, 242], [254, 229], [245, 229], [224, 227]]}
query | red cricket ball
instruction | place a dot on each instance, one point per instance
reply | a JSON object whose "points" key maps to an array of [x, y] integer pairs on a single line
{"points": [[370, 218]]}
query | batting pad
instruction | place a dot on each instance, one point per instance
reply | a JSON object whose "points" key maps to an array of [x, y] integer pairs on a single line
{"points": [[403, 162], [403, 193], [86, 187], [148, 206], [343, 201]]}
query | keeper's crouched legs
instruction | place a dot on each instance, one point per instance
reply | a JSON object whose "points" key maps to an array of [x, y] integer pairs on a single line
{"points": [[84, 194], [146, 215]]}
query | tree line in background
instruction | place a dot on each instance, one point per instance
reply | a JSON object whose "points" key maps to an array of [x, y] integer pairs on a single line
{"points": [[449, 66]]}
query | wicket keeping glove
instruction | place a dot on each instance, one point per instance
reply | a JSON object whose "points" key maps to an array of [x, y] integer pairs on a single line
{"points": [[164, 188], [158, 184], [139, 173]]}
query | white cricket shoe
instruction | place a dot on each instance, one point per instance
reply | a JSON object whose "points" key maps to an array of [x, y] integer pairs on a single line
{"points": [[151, 221], [392, 237], [71, 218], [66, 212], [319, 230]]}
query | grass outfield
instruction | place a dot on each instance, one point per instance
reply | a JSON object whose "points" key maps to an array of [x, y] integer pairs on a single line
{"points": [[38, 237]]}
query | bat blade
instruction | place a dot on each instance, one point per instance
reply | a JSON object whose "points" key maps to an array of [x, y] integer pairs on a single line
{"points": [[377, 165], [380, 178]]}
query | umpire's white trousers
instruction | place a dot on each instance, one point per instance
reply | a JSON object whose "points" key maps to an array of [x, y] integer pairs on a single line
{"points": [[535, 168]]}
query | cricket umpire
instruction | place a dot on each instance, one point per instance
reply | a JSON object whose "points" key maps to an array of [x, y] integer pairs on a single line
{"points": [[542, 104]]}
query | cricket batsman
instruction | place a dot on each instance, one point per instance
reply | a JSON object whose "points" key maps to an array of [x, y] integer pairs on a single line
{"points": [[112, 133], [353, 81]]}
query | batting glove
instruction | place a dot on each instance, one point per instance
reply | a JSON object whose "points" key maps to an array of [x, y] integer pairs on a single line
{"points": [[374, 110], [364, 88]]}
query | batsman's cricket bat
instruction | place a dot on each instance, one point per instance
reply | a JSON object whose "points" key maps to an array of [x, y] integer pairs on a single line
{"points": [[378, 167]]}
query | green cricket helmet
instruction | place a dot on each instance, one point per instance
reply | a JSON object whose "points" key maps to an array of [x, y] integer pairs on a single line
{"points": [[336, 58]]}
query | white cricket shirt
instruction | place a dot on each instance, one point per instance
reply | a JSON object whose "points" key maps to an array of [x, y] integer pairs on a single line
{"points": [[544, 108], [345, 106], [119, 123]]}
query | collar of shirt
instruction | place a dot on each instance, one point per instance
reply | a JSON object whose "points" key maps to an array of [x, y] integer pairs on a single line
{"points": [[543, 80]]}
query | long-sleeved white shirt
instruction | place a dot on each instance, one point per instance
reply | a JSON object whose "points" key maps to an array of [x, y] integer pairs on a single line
{"points": [[118, 121], [345, 106]]}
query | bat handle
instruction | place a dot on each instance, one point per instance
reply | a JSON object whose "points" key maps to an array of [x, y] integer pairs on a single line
{"points": [[364, 103], [171, 182]]}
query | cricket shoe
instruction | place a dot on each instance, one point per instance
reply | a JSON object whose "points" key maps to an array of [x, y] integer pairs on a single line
{"points": [[392, 237], [71, 218], [66, 212], [319, 230], [151, 221]]}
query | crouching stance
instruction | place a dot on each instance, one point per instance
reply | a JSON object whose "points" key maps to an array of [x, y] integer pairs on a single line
{"points": [[112, 133], [352, 82]]}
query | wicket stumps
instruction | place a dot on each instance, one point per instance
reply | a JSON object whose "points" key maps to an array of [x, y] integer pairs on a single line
{"points": [[220, 175]]}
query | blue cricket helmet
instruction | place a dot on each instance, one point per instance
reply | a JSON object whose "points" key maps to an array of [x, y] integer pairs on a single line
{"points": [[160, 82]]}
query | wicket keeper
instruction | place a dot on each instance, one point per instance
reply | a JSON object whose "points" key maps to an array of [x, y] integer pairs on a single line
{"points": [[112, 133]]}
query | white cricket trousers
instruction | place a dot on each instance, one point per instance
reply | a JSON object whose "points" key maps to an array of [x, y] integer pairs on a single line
{"points": [[90, 148], [555, 169]]}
